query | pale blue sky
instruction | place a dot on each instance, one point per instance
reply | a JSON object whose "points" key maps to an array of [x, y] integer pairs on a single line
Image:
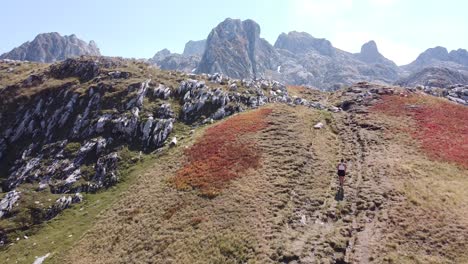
{"points": [[139, 28]]}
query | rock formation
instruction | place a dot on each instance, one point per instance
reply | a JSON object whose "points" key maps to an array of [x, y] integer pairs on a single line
{"points": [[194, 48], [50, 47], [306, 60], [166, 60], [235, 48]]}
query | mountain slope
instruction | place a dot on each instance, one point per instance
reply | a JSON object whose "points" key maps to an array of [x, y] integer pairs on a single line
{"points": [[439, 57], [74, 128], [287, 207], [50, 47]]}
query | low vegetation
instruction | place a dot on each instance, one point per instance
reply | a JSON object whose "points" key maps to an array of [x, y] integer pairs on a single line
{"points": [[441, 126], [222, 154]]}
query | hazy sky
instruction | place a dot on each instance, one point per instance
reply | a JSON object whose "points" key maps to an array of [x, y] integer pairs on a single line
{"points": [[139, 28]]}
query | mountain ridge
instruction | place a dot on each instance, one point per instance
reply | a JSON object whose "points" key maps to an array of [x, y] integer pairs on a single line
{"points": [[296, 58], [51, 47]]}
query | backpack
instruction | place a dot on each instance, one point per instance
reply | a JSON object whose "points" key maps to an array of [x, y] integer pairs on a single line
{"points": [[341, 167]]}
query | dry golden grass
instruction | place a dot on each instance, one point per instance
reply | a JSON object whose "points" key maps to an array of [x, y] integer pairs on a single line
{"points": [[400, 206], [244, 224], [428, 221], [395, 209]]}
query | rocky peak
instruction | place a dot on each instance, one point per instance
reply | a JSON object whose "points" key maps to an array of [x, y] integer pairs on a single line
{"points": [[235, 48], [437, 53], [160, 55], [439, 57], [50, 47], [369, 51], [166, 60], [370, 54], [194, 48], [302, 42], [459, 56]]}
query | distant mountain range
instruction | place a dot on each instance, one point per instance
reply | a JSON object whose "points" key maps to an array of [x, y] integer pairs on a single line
{"points": [[50, 47], [235, 48]]}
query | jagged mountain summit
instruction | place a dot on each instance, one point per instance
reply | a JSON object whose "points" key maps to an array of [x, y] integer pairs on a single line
{"points": [[235, 48], [186, 62], [370, 54], [51, 47], [306, 60], [167, 60], [301, 43]]}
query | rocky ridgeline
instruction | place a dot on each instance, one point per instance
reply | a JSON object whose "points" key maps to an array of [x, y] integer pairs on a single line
{"points": [[359, 96], [68, 138], [455, 93], [50, 47]]}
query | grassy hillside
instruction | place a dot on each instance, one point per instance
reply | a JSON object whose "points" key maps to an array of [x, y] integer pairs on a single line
{"points": [[401, 203], [260, 187]]}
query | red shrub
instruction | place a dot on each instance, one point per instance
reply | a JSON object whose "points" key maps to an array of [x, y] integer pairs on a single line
{"points": [[442, 126], [222, 154]]}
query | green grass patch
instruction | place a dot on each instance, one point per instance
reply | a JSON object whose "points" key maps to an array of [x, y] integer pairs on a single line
{"points": [[57, 235], [72, 148]]}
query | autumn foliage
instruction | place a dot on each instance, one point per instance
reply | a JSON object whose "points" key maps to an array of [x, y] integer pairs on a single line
{"points": [[441, 126], [224, 153]]}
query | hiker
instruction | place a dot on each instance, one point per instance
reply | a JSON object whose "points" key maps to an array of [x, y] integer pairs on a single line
{"points": [[341, 171]]}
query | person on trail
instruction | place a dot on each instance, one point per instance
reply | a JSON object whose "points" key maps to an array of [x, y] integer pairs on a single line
{"points": [[341, 171]]}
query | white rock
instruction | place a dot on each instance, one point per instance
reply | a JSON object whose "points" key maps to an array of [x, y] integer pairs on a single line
{"points": [[303, 220], [173, 142], [39, 260], [7, 203], [319, 125]]}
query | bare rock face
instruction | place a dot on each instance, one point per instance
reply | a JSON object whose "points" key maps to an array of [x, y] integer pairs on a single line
{"points": [[51, 47], [370, 54], [161, 55], [305, 60], [194, 48], [301, 42], [166, 60], [235, 48], [459, 56]]}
